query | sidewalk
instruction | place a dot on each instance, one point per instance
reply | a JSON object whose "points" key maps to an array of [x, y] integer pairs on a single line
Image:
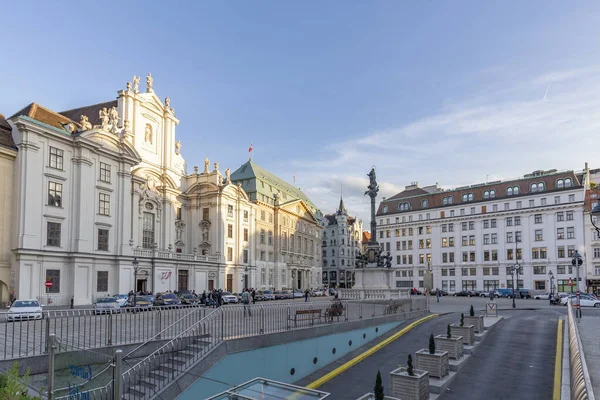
{"points": [[589, 331]]}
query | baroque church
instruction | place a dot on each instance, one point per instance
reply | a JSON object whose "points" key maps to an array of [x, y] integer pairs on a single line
{"points": [[103, 204]]}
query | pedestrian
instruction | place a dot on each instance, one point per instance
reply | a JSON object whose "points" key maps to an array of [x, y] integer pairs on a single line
{"points": [[437, 294], [246, 302], [306, 296], [253, 296]]}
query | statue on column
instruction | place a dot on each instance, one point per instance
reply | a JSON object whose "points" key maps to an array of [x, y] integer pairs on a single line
{"points": [[178, 147], [136, 84], [216, 167], [149, 82], [227, 175], [206, 165], [114, 119], [104, 118]]}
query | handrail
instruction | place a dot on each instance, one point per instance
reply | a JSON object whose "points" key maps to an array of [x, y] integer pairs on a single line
{"points": [[581, 384]]}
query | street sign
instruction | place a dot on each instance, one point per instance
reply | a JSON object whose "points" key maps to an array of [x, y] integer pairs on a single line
{"points": [[576, 262], [570, 282], [48, 284]]}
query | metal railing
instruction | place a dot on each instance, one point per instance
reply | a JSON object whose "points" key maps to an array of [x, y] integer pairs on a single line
{"points": [[581, 384], [84, 329], [156, 371]]}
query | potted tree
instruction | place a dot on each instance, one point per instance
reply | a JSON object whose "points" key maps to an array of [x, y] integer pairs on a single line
{"points": [[378, 390], [466, 331], [476, 321], [409, 383], [436, 362], [452, 344]]}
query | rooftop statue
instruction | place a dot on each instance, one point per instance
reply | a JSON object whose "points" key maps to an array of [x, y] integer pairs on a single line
{"points": [[149, 82]]}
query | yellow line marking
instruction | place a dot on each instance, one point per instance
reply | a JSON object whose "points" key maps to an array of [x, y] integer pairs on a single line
{"points": [[329, 376], [558, 361]]}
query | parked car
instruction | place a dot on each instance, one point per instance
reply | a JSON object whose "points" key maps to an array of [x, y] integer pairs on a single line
{"points": [[108, 305], [442, 292], [542, 296], [317, 293], [279, 295], [140, 303], [24, 309], [268, 295], [298, 294], [188, 298], [166, 299], [122, 299], [228, 298], [524, 294], [465, 293], [259, 296], [585, 300]]}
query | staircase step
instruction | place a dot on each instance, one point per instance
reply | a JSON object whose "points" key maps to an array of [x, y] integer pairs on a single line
{"points": [[136, 391], [152, 383], [177, 360], [166, 368], [187, 353], [160, 374], [201, 342]]}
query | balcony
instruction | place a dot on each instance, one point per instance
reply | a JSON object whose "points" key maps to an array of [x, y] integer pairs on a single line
{"points": [[171, 255]]}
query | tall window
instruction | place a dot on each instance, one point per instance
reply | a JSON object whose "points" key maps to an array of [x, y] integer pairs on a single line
{"points": [[245, 234], [53, 275], [245, 256], [56, 158], [245, 216], [262, 236], [101, 281], [54, 194], [148, 231], [230, 211], [104, 172], [205, 214], [182, 279], [178, 214], [103, 239], [270, 238], [230, 254], [53, 234], [104, 205]]}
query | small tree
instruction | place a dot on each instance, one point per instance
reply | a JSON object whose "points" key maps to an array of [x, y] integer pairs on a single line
{"points": [[472, 311], [431, 344], [462, 319], [409, 366], [378, 390], [449, 332], [13, 386]]}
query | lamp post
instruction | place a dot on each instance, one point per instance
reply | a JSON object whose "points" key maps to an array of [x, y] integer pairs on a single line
{"points": [[135, 264], [245, 277], [576, 262], [551, 277], [515, 269]]}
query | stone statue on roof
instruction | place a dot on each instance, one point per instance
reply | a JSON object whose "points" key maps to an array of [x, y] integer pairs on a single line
{"points": [[136, 84], [216, 167], [104, 118], [167, 102], [206, 165], [114, 119], [149, 82], [178, 147], [227, 175], [85, 123], [129, 86]]}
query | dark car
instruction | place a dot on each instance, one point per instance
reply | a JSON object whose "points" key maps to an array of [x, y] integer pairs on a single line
{"points": [[441, 291], [466, 293], [524, 294], [139, 303], [166, 299], [188, 298]]}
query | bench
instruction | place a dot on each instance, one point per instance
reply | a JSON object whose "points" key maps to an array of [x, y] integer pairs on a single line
{"points": [[310, 315], [335, 310]]}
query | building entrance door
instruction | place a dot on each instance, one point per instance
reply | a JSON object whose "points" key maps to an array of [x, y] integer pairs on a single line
{"points": [[229, 282], [299, 273], [141, 285], [211, 284]]}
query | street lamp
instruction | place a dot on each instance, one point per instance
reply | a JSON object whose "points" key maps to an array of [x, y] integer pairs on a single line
{"points": [[551, 277], [246, 277], [515, 269], [576, 262], [136, 268]]}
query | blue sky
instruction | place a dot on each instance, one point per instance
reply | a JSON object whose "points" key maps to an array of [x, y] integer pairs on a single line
{"points": [[429, 91]]}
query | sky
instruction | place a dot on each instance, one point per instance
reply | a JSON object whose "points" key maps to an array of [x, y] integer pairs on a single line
{"points": [[445, 92]]}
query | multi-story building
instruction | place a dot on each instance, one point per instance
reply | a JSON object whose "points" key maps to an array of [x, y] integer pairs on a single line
{"points": [[103, 187], [287, 228], [8, 154], [470, 236], [341, 244], [591, 254]]}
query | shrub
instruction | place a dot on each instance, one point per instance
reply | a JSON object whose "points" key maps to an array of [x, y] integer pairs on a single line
{"points": [[378, 390], [449, 332], [431, 344], [13, 386], [472, 311], [462, 319], [409, 366]]}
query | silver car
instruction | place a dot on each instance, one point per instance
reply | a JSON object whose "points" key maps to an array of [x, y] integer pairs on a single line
{"points": [[108, 305], [24, 309]]}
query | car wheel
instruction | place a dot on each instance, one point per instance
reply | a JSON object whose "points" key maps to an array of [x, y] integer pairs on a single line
{"points": [[596, 305]]}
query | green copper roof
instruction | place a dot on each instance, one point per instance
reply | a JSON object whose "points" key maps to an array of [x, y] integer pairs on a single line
{"points": [[269, 185]]}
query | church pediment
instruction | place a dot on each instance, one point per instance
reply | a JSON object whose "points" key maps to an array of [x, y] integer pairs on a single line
{"points": [[109, 141], [298, 207]]}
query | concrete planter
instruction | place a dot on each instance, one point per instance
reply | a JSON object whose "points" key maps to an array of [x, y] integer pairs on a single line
{"points": [[436, 364], [454, 345], [371, 396], [408, 387], [467, 332], [477, 322]]}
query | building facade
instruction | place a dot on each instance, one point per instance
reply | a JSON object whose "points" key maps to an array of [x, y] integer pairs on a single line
{"points": [[8, 154], [287, 231], [342, 236], [470, 236], [103, 187]]}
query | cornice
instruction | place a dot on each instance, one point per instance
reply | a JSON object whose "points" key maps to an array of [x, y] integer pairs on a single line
{"points": [[57, 177], [82, 160]]}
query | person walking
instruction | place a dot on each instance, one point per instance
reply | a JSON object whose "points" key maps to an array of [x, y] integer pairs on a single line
{"points": [[253, 296], [306, 296], [437, 294], [246, 302]]}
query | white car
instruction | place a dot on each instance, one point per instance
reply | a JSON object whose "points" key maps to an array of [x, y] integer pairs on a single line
{"points": [[317, 293], [107, 305], [543, 296], [585, 300], [298, 294], [24, 309], [228, 298]]}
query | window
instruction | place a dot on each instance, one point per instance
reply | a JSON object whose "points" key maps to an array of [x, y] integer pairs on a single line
{"points": [[509, 221], [178, 214], [469, 285], [230, 231], [464, 226], [596, 252], [494, 238], [571, 232], [450, 242], [205, 214], [492, 223], [270, 238], [245, 216], [54, 194], [561, 251], [471, 225], [560, 216], [104, 172], [53, 234], [569, 215], [403, 207], [571, 198], [53, 275], [471, 240], [539, 270], [229, 210], [486, 223], [509, 237], [56, 158], [556, 199], [538, 218], [495, 207], [101, 281], [570, 251], [450, 227], [148, 231], [486, 238], [464, 240], [262, 236], [104, 204], [560, 233], [270, 217], [230, 254], [517, 221], [506, 206], [472, 210], [543, 201], [539, 235], [519, 205], [532, 203], [103, 239], [424, 203]]}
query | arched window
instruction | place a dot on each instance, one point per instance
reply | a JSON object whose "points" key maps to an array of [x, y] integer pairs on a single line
{"points": [[444, 201], [534, 187], [471, 197], [560, 183], [568, 182], [342, 251], [509, 191], [486, 194], [450, 199], [541, 187], [516, 190], [403, 207], [424, 203], [385, 209], [492, 193], [464, 198]]}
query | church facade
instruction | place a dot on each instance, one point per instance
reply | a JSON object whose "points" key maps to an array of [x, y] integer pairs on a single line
{"points": [[104, 204]]}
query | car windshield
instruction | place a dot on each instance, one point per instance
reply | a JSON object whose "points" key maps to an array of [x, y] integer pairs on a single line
{"points": [[188, 296], [169, 296], [267, 292], [26, 303], [122, 296], [143, 298], [226, 294], [107, 300]]}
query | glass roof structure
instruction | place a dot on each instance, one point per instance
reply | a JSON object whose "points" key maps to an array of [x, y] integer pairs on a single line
{"points": [[265, 389]]}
